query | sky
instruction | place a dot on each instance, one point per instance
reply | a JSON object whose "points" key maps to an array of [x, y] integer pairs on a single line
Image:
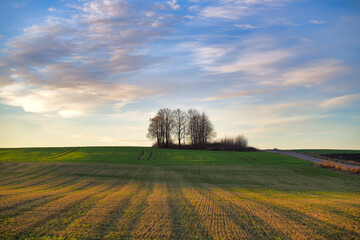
{"points": [[284, 73]]}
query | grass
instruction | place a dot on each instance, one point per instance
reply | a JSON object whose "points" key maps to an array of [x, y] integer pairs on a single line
{"points": [[106, 193], [129, 155], [337, 166]]}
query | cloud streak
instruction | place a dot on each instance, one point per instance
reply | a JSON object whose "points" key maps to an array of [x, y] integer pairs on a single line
{"points": [[235, 9], [258, 60]]}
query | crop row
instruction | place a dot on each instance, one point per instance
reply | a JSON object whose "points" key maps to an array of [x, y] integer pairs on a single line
{"points": [[95, 202]]}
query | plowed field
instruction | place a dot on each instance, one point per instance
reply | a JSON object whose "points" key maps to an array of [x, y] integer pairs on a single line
{"points": [[109, 193]]}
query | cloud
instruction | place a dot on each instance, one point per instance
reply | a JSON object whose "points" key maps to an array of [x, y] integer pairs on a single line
{"points": [[317, 21], [253, 56], [173, 4], [205, 55], [235, 9], [247, 26], [261, 60], [194, 8], [254, 62], [339, 101], [70, 101], [74, 66], [239, 94], [314, 72], [51, 9], [226, 12], [19, 5]]}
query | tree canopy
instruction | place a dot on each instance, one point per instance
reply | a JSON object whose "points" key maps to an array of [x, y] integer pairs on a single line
{"points": [[191, 126]]}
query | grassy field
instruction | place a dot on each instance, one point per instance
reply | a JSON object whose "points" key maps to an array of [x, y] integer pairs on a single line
{"points": [[107, 193], [130, 155]]}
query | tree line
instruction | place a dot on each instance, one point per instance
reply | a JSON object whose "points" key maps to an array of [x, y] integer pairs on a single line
{"points": [[185, 127]]}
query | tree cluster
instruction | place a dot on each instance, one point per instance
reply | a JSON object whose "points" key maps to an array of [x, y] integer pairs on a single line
{"points": [[182, 126], [239, 141]]}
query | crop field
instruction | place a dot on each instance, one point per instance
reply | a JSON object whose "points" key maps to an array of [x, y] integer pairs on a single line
{"points": [[343, 156], [145, 193]]}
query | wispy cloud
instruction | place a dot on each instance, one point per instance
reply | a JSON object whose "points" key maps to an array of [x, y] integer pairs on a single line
{"points": [[241, 93], [227, 12], [317, 21], [260, 60], [247, 26], [19, 4], [76, 65], [255, 56], [255, 62], [314, 72], [235, 9], [339, 101]]}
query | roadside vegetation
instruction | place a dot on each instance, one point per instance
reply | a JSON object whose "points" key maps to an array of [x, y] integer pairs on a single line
{"points": [[121, 193], [340, 167], [343, 156]]}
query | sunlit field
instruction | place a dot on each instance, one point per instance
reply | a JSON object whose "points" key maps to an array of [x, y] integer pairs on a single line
{"points": [[144, 193]]}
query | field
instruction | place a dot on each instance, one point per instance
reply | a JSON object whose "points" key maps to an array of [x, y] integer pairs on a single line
{"points": [[343, 156], [327, 151], [144, 193]]}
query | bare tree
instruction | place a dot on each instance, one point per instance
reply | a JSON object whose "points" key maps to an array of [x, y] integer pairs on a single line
{"points": [[192, 125], [156, 130], [197, 127], [207, 130], [166, 115], [200, 128], [180, 121]]}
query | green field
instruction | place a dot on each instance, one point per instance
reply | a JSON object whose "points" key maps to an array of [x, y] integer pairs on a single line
{"points": [[130, 155], [109, 193]]}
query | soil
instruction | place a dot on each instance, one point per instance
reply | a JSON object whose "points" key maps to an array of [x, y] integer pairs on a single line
{"points": [[343, 156]]}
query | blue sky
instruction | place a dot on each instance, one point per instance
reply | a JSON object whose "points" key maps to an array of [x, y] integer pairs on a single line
{"points": [[283, 73]]}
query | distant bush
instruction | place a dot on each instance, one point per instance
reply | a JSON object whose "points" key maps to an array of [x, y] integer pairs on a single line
{"points": [[240, 141], [337, 166]]}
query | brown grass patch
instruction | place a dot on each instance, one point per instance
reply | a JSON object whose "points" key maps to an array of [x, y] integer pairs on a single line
{"points": [[340, 167]]}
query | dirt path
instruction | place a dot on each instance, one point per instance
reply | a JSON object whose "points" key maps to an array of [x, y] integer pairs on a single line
{"points": [[306, 157]]}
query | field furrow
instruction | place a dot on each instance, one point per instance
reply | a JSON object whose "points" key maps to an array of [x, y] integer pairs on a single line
{"points": [[217, 223], [124, 224], [12, 201], [56, 227], [96, 220], [155, 221], [276, 224], [315, 215], [23, 222], [105, 193]]}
